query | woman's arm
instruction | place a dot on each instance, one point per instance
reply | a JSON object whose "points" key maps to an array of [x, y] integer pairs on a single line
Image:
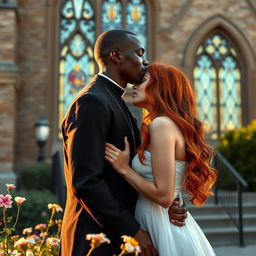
{"points": [[162, 141]]}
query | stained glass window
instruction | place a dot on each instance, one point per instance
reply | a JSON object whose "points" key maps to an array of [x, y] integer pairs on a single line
{"points": [[77, 36], [111, 15], [136, 19], [217, 81], [78, 23]]}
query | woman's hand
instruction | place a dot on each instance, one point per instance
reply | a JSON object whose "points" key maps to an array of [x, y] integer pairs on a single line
{"points": [[118, 159]]}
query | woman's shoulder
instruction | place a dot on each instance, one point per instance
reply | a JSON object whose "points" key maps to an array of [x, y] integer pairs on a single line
{"points": [[162, 122]]}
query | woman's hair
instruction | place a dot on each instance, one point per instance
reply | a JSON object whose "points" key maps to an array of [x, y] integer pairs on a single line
{"points": [[169, 93]]}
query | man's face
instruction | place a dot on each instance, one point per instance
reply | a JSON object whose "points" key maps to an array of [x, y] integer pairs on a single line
{"points": [[134, 65]]}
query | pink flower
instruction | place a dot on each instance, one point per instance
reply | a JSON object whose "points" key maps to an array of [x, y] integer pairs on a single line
{"points": [[44, 213], [40, 227], [5, 201], [19, 200], [10, 187]]}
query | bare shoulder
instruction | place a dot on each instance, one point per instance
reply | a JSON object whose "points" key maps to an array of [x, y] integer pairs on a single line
{"points": [[163, 123]]}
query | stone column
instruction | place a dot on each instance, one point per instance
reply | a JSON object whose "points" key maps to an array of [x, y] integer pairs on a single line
{"points": [[9, 83]]}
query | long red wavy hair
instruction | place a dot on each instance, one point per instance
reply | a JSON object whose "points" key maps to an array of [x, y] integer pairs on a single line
{"points": [[170, 94]]}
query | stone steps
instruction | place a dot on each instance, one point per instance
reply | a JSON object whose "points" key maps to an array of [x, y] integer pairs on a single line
{"points": [[217, 225]]}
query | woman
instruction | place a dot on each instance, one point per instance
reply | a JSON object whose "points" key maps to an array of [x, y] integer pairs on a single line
{"points": [[173, 156]]}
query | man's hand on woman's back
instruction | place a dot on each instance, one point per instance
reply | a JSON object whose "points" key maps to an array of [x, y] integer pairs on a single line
{"points": [[177, 213]]}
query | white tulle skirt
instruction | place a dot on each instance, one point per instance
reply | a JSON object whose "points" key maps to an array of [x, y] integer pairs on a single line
{"points": [[169, 239]]}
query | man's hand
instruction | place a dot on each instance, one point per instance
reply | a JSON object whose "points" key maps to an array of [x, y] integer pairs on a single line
{"points": [[177, 214], [147, 248]]}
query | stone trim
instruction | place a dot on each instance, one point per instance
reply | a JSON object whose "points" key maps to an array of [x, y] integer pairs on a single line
{"points": [[8, 66], [8, 4]]}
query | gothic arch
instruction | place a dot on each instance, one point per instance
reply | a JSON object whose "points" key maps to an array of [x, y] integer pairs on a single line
{"points": [[247, 58]]}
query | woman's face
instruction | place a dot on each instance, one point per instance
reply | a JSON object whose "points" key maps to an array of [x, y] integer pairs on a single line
{"points": [[138, 92]]}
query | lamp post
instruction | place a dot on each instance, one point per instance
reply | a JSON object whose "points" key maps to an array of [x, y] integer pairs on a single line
{"points": [[42, 129]]}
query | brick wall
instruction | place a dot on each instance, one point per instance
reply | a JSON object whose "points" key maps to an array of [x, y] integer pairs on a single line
{"points": [[31, 59], [7, 35], [177, 20]]}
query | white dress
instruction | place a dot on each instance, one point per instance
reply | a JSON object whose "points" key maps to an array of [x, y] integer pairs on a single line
{"points": [[169, 239]]}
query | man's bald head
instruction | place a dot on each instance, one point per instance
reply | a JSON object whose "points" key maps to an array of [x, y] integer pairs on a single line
{"points": [[108, 41]]}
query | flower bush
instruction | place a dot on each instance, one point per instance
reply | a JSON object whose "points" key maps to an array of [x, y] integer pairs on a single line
{"points": [[35, 210], [239, 148], [42, 240]]}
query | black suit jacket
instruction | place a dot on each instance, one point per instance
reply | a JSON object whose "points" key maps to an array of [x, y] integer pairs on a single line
{"points": [[98, 198]]}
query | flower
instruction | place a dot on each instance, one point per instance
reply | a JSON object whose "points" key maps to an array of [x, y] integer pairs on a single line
{"points": [[55, 207], [44, 214], [43, 234], [53, 241], [31, 240], [130, 245], [36, 237], [29, 253], [21, 242], [27, 231], [16, 253], [40, 226], [10, 187], [20, 200], [97, 239], [5, 201]]}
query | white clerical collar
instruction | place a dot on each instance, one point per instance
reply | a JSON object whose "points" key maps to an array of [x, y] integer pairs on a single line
{"points": [[112, 81]]}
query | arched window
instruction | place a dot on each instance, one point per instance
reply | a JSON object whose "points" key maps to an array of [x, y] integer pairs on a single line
{"points": [[77, 35], [217, 82]]}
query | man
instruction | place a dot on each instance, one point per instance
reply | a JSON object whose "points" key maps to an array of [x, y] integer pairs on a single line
{"points": [[99, 199]]}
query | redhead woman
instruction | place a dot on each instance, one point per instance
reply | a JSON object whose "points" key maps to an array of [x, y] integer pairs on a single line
{"points": [[172, 157]]}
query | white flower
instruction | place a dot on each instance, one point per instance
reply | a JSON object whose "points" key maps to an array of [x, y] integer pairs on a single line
{"points": [[20, 200], [22, 241], [29, 253], [56, 207], [98, 238], [130, 245], [53, 241], [16, 253], [10, 187]]}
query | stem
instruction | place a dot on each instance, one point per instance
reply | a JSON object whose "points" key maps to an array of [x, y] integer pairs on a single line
{"points": [[5, 243], [17, 217], [122, 253], [48, 226], [89, 253]]}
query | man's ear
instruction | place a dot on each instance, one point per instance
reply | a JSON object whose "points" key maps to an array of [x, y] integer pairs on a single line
{"points": [[115, 55]]}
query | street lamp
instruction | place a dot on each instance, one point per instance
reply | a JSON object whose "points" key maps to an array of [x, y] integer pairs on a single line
{"points": [[42, 129]]}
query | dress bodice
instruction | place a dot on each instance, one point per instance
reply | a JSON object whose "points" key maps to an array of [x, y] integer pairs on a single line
{"points": [[146, 170], [155, 218]]}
